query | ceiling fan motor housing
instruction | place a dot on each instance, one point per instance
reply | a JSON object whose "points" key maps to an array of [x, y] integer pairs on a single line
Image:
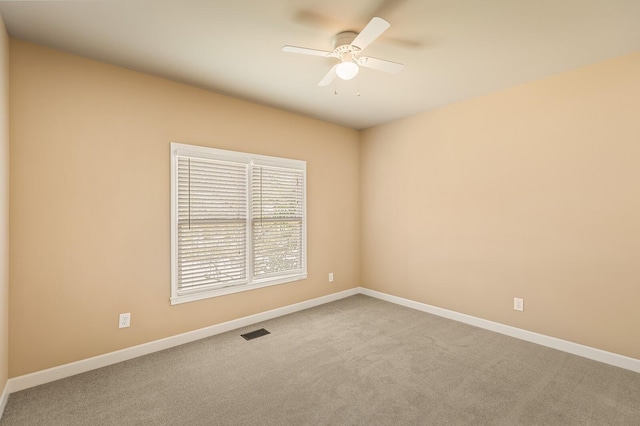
{"points": [[343, 40]]}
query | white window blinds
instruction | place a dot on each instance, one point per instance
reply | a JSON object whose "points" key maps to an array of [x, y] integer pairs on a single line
{"points": [[212, 224], [238, 222], [278, 217]]}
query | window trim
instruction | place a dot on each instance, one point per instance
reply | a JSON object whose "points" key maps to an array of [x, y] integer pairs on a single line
{"points": [[237, 157]]}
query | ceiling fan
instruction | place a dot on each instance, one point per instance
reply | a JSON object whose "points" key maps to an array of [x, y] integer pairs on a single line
{"points": [[347, 47]]}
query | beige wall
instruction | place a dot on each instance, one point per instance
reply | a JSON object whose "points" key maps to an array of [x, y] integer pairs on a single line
{"points": [[4, 206], [532, 192], [90, 201]]}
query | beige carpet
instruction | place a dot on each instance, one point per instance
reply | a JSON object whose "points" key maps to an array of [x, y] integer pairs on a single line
{"points": [[358, 361]]}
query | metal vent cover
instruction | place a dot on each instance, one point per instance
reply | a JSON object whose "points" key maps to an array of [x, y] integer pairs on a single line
{"points": [[255, 334]]}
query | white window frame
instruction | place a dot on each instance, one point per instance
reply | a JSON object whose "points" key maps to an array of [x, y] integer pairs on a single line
{"points": [[193, 151]]}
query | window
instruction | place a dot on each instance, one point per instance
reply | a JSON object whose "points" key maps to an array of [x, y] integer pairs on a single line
{"points": [[238, 222]]}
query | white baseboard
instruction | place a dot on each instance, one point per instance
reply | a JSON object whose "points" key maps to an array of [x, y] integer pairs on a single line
{"points": [[3, 399], [49, 375], [540, 339], [37, 378]]}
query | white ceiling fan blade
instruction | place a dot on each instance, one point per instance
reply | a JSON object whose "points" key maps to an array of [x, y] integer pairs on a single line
{"points": [[372, 31], [305, 51], [331, 75], [381, 65]]}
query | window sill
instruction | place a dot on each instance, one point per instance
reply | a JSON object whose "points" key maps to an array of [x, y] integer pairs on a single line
{"points": [[192, 297]]}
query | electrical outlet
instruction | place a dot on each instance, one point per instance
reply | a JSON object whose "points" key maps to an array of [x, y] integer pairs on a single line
{"points": [[125, 320], [330, 277], [518, 304]]}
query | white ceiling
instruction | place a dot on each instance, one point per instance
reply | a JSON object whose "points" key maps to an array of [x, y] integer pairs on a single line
{"points": [[452, 49]]}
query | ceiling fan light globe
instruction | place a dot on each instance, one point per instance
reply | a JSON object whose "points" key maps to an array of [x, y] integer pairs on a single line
{"points": [[346, 70]]}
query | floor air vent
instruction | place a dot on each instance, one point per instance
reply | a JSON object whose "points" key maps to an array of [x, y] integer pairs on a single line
{"points": [[255, 334]]}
